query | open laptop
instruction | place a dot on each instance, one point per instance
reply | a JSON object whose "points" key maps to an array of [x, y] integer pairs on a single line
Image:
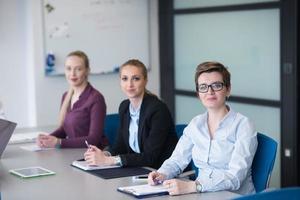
{"points": [[6, 130]]}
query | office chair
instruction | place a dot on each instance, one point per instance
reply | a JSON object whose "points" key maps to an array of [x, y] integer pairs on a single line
{"points": [[191, 170], [179, 129], [111, 125], [263, 162], [292, 193]]}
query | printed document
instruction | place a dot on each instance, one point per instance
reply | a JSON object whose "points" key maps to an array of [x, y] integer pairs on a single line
{"points": [[83, 165], [23, 137], [34, 147]]}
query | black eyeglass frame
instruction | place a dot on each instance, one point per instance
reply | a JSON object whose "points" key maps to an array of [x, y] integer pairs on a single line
{"points": [[211, 87]]}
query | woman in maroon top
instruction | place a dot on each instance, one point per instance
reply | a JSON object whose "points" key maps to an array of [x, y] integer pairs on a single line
{"points": [[82, 111]]}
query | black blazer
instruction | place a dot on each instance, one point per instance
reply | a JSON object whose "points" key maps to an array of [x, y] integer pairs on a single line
{"points": [[156, 134]]}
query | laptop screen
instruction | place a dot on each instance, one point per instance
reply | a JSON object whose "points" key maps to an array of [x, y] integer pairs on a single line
{"points": [[6, 130]]}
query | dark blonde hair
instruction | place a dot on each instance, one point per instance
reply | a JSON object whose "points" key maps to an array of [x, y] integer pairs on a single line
{"points": [[81, 55], [208, 67], [67, 100], [137, 63]]}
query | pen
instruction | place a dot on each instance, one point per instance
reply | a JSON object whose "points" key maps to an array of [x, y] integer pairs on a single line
{"points": [[87, 144], [157, 181]]}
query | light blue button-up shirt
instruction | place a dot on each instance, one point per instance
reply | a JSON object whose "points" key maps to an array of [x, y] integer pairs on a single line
{"points": [[133, 128], [224, 162]]}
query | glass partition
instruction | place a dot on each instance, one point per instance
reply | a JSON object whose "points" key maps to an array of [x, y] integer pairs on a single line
{"points": [[178, 4], [248, 42]]}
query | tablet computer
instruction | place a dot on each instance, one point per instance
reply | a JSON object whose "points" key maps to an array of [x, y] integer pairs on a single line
{"points": [[29, 172]]}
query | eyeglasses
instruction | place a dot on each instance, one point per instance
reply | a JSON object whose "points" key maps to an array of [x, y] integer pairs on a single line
{"points": [[216, 86]]}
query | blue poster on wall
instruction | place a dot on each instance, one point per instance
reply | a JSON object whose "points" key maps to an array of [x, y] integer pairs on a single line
{"points": [[109, 31]]}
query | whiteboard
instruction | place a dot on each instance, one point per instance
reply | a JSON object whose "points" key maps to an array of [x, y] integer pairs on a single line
{"points": [[110, 32]]}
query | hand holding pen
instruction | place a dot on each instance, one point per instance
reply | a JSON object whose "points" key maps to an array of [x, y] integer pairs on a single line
{"points": [[90, 147], [87, 144], [156, 178], [95, 156]]}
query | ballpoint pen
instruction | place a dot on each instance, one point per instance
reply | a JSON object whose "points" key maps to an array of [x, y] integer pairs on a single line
{"points": [[87, 144], [157, 181]]}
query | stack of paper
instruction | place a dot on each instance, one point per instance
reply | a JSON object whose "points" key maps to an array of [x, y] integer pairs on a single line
{"points": [[23, 137], [34, 147]]}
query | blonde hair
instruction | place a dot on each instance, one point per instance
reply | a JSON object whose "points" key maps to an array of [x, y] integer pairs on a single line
{"points": [[67, 100], [64, 107]]}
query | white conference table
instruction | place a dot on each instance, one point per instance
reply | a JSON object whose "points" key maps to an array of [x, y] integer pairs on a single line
{"points": [[68, 182]]}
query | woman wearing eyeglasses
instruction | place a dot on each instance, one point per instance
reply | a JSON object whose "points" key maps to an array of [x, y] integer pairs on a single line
{"points": [[221, 142]]}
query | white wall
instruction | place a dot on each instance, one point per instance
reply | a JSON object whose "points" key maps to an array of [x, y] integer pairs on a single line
{"points": [[13, 79], [29, 97]]}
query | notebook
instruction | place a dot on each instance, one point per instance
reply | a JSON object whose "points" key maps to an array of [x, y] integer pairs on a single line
{"points": [[83, 165], [143, 191], [6, 130]]}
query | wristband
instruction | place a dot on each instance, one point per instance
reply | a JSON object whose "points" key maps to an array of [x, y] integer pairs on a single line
{"points": [[58, 143]]}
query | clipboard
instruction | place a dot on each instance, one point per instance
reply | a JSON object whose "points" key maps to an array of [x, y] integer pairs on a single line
{"points": [[144, 191]]}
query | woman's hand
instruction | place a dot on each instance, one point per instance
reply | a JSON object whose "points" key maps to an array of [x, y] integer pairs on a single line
{"points": [[155, 178], [95, 156], [176, 186], [47, 141]]}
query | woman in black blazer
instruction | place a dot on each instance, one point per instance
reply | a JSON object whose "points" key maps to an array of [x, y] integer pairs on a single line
{"points": [[146, 133]]}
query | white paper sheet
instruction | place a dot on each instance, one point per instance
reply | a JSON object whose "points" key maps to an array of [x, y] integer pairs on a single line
{"points": [[83, 165], [23, 137], [34, 147]]}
